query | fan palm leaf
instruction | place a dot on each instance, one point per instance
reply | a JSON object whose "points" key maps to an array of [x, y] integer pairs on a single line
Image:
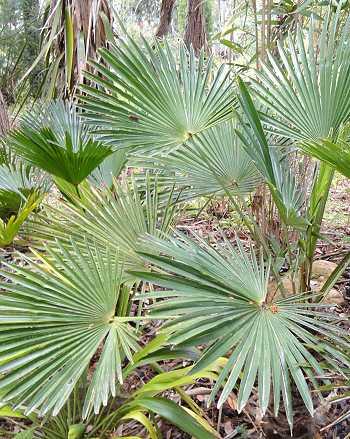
{"points": [[17, 182], [54, 317], [336, 155], [306, 91], [116, 217], [56, 141], [218, 297], [147, 100], [211, 163]]}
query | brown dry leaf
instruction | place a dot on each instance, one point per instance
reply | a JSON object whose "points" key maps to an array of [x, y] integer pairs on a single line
{"points": [[232, 401]]}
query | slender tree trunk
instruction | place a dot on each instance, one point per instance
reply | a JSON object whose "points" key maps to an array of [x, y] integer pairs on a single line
{"points": [[4, 117], [30, 10], [195, 32], [166, 13]]}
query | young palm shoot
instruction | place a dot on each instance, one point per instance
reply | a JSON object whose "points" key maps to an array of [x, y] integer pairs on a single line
{"points": [[56, 140]]}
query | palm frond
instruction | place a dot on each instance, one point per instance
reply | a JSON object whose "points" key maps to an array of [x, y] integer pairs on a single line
{"points": [[210, 163], [306, 91], [55, 140], [116, 217], [54, 317], [219, 298], [22, 188], [147, 100], [336, 155], [17, 182]]}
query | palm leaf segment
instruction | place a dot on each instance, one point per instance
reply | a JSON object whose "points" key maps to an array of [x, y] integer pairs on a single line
{"points": [[54, 317], [111, 167], [218, 297], [148, 101], [56, 141], [307, 91], [210, 163], [17, 182], [22, 188], [272, 163], [118, 217]]}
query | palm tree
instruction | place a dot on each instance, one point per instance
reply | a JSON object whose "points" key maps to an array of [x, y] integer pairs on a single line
{"points": [[73, 31], [305, 96], [218, 297]]}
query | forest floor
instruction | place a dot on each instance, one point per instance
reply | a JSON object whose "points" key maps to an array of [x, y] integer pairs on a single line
{"points": [[250, 423]]}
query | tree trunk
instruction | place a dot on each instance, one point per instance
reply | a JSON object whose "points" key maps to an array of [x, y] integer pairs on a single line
{"points": [[30, 10], [4, 117], [195, 32], [166, 12], [89, 34]]}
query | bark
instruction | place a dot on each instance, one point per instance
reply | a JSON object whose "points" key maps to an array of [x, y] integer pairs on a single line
{"points": [[195, 32], [90, 28], [4, 117], [166, 12]]}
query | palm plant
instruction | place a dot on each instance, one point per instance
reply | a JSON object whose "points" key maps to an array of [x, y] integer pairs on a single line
{"points": [[209, 164], [73, 419], [219, 298], [305, 95], [55, 140], [143, 99]]}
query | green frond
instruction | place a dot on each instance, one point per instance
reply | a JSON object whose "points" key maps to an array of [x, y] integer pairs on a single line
{"points": [[306, 90], [336, 155], [146, 99], [210, 163], [55, 140], [22, 188], [218, 297], [54, 317], [118, 217]]}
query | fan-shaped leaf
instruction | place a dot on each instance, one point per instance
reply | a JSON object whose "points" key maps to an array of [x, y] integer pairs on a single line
{"points": [[53, 318], [210, 163], [147, 101], [219, 298]]}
